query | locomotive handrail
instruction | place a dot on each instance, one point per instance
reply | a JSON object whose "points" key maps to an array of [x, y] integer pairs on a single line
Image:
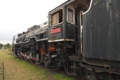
{"points": [[89, 7], [37, 40], [42, 39]]}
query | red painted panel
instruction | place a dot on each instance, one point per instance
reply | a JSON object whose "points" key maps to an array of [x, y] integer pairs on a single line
{"points": [[56, 30]]}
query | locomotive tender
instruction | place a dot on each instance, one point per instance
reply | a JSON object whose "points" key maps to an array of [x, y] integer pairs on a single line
{"points": [[82, 36]]}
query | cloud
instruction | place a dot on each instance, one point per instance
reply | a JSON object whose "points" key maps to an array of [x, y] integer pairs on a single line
{"points": [[17, 16]]}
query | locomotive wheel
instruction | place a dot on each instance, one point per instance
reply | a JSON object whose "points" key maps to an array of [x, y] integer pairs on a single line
{"points": [[15, 53], [30, 56], [56, 64], [70, 69], [25, 58], [18, 53], [21, 55], [67, 68], [67, 65], [38, 57]]}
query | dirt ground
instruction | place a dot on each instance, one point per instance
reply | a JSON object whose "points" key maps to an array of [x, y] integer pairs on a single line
{"points": [[15, 70]]}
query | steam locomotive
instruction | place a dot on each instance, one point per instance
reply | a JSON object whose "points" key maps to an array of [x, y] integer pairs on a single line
{"points": [[81, 36]]}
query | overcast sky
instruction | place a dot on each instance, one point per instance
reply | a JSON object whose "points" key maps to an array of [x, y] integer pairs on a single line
{"points": [[18, 15]]}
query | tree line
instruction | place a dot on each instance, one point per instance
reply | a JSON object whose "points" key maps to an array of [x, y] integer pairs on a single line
{"points": [[6, 46]]}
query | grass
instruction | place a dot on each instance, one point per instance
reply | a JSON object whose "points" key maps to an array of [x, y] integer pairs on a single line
{"points": [[62, 77], [33, 72], [8, 51]]}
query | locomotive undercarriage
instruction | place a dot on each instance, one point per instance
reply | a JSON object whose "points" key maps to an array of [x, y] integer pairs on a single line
{"points": [[93, 75], [58, 55], [63, 57]]}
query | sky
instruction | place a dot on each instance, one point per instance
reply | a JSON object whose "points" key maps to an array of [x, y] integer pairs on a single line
{"points": [[17, 16]]}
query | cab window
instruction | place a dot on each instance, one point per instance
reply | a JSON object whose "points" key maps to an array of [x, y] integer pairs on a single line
{"points": [[56, 17], [70, 15]]}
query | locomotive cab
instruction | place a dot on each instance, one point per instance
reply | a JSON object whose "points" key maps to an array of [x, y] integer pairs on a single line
{"points": [[65, 32], [65, 20]]}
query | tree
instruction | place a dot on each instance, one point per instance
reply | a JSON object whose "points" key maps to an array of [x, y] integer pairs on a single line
{"points": [[7, 46], [1, 45]]}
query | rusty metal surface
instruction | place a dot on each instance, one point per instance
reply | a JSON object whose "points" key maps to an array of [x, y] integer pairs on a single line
{"points": [[101, 35]]}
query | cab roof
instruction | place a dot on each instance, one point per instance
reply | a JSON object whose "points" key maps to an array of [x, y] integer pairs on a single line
{"points": [[61, 6]]}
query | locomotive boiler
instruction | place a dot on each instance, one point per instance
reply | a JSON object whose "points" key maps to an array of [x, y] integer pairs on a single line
{"points": [[81, 36]]}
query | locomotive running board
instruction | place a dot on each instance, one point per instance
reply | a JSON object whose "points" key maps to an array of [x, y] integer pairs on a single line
{"points": [[61, 40], [42, 39]]}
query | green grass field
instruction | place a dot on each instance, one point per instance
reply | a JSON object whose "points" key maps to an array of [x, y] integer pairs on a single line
{"points": [[23, 70]]}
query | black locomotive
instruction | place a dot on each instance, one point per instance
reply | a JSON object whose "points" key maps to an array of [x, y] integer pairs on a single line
{"points": [[81, 36]]}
